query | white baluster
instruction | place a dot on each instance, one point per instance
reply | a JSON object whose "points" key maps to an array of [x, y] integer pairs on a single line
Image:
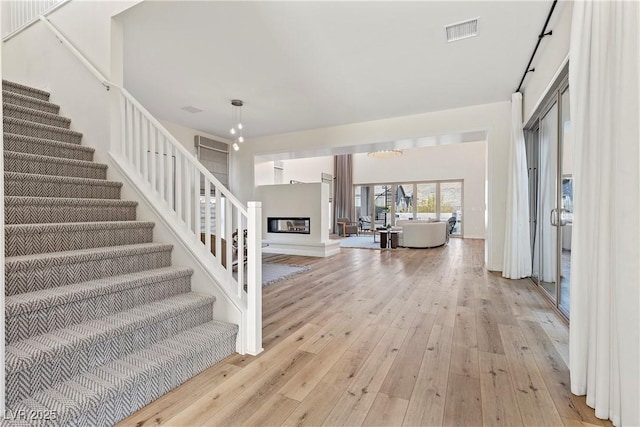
{"points": [[188, 193], [161, 164], [123, 124], [136, 140], [153, 157], [196, 204], [179, 184], [129, 154], [168, 160], [240, 249], [145, 150], [207, 221]]}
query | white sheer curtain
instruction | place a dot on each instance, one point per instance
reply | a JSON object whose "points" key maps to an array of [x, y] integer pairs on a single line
{"points": [[604, 339], [517, 241]]}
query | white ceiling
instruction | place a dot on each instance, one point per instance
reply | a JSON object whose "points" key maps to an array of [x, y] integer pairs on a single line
{"points": [[305, 65]]}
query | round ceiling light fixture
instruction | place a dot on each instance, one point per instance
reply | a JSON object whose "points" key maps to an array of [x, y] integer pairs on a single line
{"points": [[385, 154]]}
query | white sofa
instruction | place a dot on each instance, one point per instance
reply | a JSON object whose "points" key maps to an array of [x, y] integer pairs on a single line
{"points": [[421, 233]]}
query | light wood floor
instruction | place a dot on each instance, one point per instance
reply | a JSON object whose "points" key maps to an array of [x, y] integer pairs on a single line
{"points": [[389, 338]]}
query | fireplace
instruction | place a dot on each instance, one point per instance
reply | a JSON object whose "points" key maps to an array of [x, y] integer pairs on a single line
{"points": [[289, 225]]}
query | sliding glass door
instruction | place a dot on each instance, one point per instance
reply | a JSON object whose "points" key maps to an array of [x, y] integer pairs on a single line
{"points": [[549, 159]]}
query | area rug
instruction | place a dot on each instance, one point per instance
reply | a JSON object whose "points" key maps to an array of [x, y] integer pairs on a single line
{"points": [[365, 242], [273, 273]]}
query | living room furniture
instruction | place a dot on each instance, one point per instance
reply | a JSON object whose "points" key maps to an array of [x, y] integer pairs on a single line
{"points": [[421, 234], [348, 227], [389, 238]]}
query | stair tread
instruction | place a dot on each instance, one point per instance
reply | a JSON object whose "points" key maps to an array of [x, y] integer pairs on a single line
{"points": [[29, 123], [57, 178], [6, 84], [64, 121], [75, 226], [22, 262], [7, 94], [50, 159], [65, 201], [37, 300], [35, 350], [52, 142], [89, 390]]}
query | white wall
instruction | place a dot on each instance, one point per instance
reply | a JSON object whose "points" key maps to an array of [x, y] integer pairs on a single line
{"points": [[464, 161], [303, 170], [549, 59], [493, 118], [307, 170], [296, 200]]}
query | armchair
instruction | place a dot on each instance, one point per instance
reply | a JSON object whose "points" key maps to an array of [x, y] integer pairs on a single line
{"points": [[347, 226]]}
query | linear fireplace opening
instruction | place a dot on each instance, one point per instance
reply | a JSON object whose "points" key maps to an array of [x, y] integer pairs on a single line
{"points": [[289, 225]]}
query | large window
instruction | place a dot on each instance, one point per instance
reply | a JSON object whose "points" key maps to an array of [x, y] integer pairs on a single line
{"points": [[377, 205]]}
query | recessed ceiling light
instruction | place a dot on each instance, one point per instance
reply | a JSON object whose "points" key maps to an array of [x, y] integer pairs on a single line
{"points": [[462, 30], [192, 109]]}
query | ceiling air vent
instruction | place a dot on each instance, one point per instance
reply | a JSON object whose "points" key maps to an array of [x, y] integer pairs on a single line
{"points": [[462, 30], [191, 109]]}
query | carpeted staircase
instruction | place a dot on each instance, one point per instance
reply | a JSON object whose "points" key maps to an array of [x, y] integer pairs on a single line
{"points": [[98, 321]]}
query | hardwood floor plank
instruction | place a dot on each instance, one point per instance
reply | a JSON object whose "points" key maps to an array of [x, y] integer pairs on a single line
{"points": [[386, 411], [315, 408], [273, 413], [303, 382], [237, 411], [556, 374], [462, 404], [488, 333], [355, 403], [535, 402], [402, 376], [499, 406], [426, 406]]}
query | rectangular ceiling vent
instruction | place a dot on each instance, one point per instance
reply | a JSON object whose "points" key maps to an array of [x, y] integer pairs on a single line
{"points": [[191, 109], [462, 30]]}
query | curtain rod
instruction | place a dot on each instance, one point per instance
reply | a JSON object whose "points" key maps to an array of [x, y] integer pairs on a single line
{"points": [[542, 35]]}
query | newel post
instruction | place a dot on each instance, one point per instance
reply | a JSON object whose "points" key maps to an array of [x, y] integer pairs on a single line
{"points": [[254, 278]]}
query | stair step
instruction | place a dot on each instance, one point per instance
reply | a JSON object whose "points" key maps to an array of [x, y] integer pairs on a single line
{"points": [[38, 362], [32, 185], [25, 90], [37, 313], [31, 273], [46, 147], [40, 210], [29, 239], [45, 165], [16, 98], [29, 128], [110, 393], [36, 116]]}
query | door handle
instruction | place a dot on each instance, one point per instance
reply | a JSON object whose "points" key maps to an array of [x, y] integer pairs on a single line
{"points": [[563, 220], [553, 217]]}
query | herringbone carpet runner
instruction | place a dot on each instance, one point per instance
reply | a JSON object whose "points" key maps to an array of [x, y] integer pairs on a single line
{"points": [[98, 322]]}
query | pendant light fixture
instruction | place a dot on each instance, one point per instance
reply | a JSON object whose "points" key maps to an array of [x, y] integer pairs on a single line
{"points": [[236, 123], [385, 154]]}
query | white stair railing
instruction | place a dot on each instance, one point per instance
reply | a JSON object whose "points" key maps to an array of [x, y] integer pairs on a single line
{"points": [[188, 196]]}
